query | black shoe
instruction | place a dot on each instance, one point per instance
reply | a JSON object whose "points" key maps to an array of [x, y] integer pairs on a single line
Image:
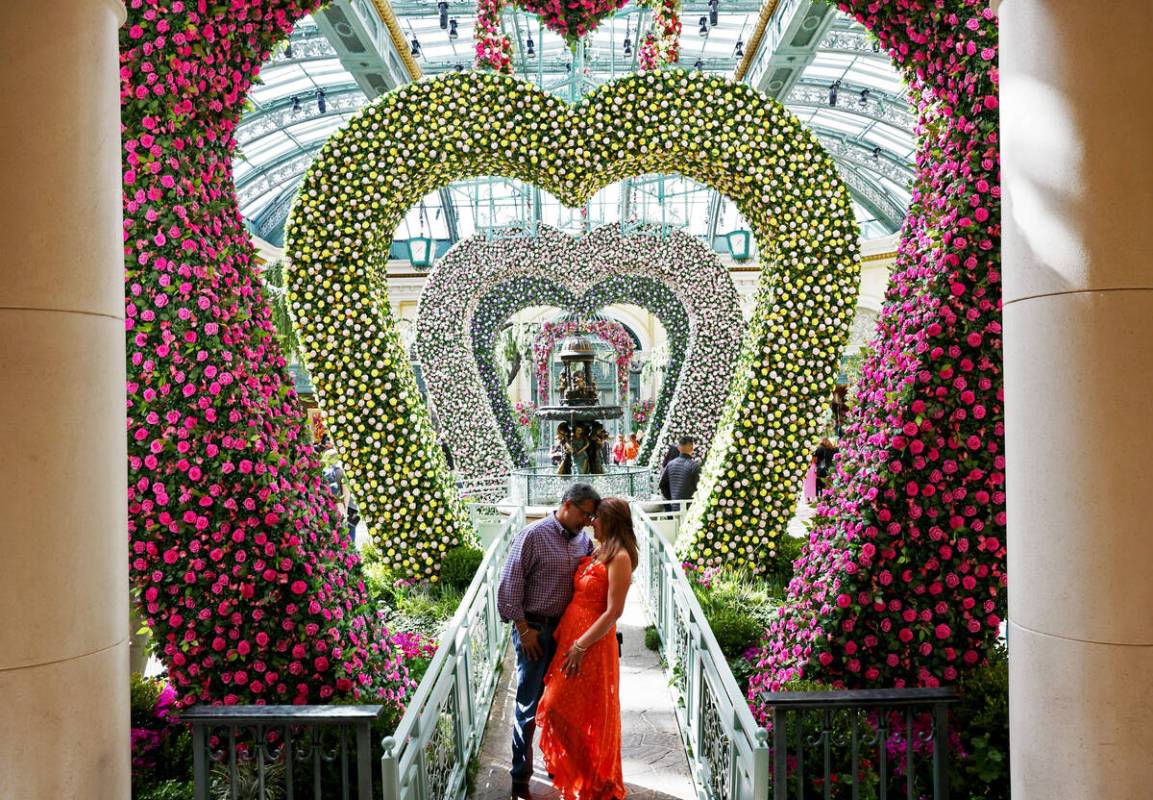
{"points": [[520, 789]]}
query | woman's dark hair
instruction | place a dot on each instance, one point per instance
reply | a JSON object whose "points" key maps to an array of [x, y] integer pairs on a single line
{"points": [[616, 530]]}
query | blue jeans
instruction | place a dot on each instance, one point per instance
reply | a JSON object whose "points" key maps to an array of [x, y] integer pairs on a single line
{"points": [[529, 688]]}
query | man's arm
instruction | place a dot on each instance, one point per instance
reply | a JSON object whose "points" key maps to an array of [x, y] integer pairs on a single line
{"points": [[691, 480], [666, 492], [510, 594]]}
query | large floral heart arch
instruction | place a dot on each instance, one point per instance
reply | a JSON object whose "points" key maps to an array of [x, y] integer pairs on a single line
{"points": [[576, 266], [506, 299], [422, 137]]}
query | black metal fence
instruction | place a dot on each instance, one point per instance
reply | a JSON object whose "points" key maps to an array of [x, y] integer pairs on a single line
{"points": [[872, 744], [282, 752]]}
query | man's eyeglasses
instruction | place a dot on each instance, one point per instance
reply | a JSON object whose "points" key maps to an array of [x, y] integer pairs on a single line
{"points": [[591, 516]]}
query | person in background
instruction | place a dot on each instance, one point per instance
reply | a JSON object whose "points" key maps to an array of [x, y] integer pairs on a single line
{"points": [[619, 449], [669, 455], [536, 587], [826, 450], [337, 481], [679, 480], [632, 447]]}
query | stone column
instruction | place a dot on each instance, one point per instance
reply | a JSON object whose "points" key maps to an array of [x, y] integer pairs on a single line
{"points": [[1078, 262], [64, 729]]}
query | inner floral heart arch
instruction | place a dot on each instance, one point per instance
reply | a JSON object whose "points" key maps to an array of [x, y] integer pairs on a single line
{"points": [[507, 299], [424, 136], [601, 268]]}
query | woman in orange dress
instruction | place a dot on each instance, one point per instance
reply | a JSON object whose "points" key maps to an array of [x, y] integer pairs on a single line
{"points": [[579, 715]]}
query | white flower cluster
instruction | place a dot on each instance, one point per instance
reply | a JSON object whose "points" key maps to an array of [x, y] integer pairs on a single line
{"points": [[709, 129]]}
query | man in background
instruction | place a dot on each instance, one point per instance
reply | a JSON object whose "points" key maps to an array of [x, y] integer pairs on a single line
{"points": [[679, 480]]}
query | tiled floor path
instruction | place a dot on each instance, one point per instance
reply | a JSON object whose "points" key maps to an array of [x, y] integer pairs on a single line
{"points": [[655, 767]]}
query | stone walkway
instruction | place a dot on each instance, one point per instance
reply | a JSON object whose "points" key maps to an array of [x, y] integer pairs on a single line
{"points": [[653, 758]]}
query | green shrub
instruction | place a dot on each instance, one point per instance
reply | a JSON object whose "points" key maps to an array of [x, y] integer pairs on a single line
{"points": [[982, 720], [459, 566], [174, 789], [161, 749], [652, 638], [736, 631]]}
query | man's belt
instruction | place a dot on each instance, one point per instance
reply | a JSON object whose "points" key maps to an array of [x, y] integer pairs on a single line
{"points": [[540, 619]]}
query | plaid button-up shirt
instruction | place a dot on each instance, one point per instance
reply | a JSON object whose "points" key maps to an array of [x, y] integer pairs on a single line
{"points": [[538, 575]]}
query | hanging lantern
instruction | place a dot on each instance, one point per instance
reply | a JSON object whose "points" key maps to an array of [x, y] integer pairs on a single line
{"points": [[740, 245]]}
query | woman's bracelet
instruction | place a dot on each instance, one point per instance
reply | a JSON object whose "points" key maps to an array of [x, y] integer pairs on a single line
{"points": [[578, 648]]}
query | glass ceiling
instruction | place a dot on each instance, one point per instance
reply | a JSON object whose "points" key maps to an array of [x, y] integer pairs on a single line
{"points": [[850, 95]]}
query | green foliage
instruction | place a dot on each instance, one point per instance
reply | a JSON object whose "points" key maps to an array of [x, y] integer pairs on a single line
{"points": [[161, 749], [424, 608], [735, 630], [652, 638], [276, 294], [459, 566], [173, 789], [982, 720], [249, 783]]}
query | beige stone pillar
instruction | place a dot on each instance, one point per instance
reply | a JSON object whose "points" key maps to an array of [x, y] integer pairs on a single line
{"points": [[64, 729], [1077, 136]]}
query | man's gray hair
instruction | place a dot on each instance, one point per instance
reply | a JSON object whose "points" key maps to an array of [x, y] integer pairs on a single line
{"points": [[579, 492]]}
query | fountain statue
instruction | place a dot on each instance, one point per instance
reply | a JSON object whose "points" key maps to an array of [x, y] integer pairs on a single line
{"points": [[581, 434]]}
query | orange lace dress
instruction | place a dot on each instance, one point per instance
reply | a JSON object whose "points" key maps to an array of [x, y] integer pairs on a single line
{"points": [[579, 716]]}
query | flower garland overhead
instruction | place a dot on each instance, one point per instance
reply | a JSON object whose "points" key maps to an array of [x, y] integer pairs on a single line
{"points": [[696, 301], [709, 129], [493, 47], [244, 575], [607, 330], [662, 44], [904, 583], [506, 299]]}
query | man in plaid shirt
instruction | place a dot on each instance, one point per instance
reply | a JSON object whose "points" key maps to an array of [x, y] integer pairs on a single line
{"points": [[535, 589]]}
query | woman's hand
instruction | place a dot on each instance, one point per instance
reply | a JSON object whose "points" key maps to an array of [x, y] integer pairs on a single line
{"points": [[573, 659]]}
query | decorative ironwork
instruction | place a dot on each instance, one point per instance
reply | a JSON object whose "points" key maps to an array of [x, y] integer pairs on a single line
{"points": [[270, 752], [716, 747], [440, 753], [537, 486], [444, 722]]}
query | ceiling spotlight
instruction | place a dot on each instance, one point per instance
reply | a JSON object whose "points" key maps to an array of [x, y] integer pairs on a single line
{"points": [[864, 97], [704, 26], [442, 10], [876, 154], [628, 46], [288, 50], [530, 46], [452, 32], [713, 17], [740, 49], [833, 92], [415, 47], [321, 103], [295, 106], [700, 63], [459, 68]]}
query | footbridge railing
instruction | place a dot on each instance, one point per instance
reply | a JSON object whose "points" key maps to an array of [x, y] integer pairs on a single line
{"points": [[728, 751], [881, 743], [428, 756]]}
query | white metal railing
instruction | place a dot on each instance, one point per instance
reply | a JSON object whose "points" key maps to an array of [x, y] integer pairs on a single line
{"points": [[427, 757], [728, 751]]}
